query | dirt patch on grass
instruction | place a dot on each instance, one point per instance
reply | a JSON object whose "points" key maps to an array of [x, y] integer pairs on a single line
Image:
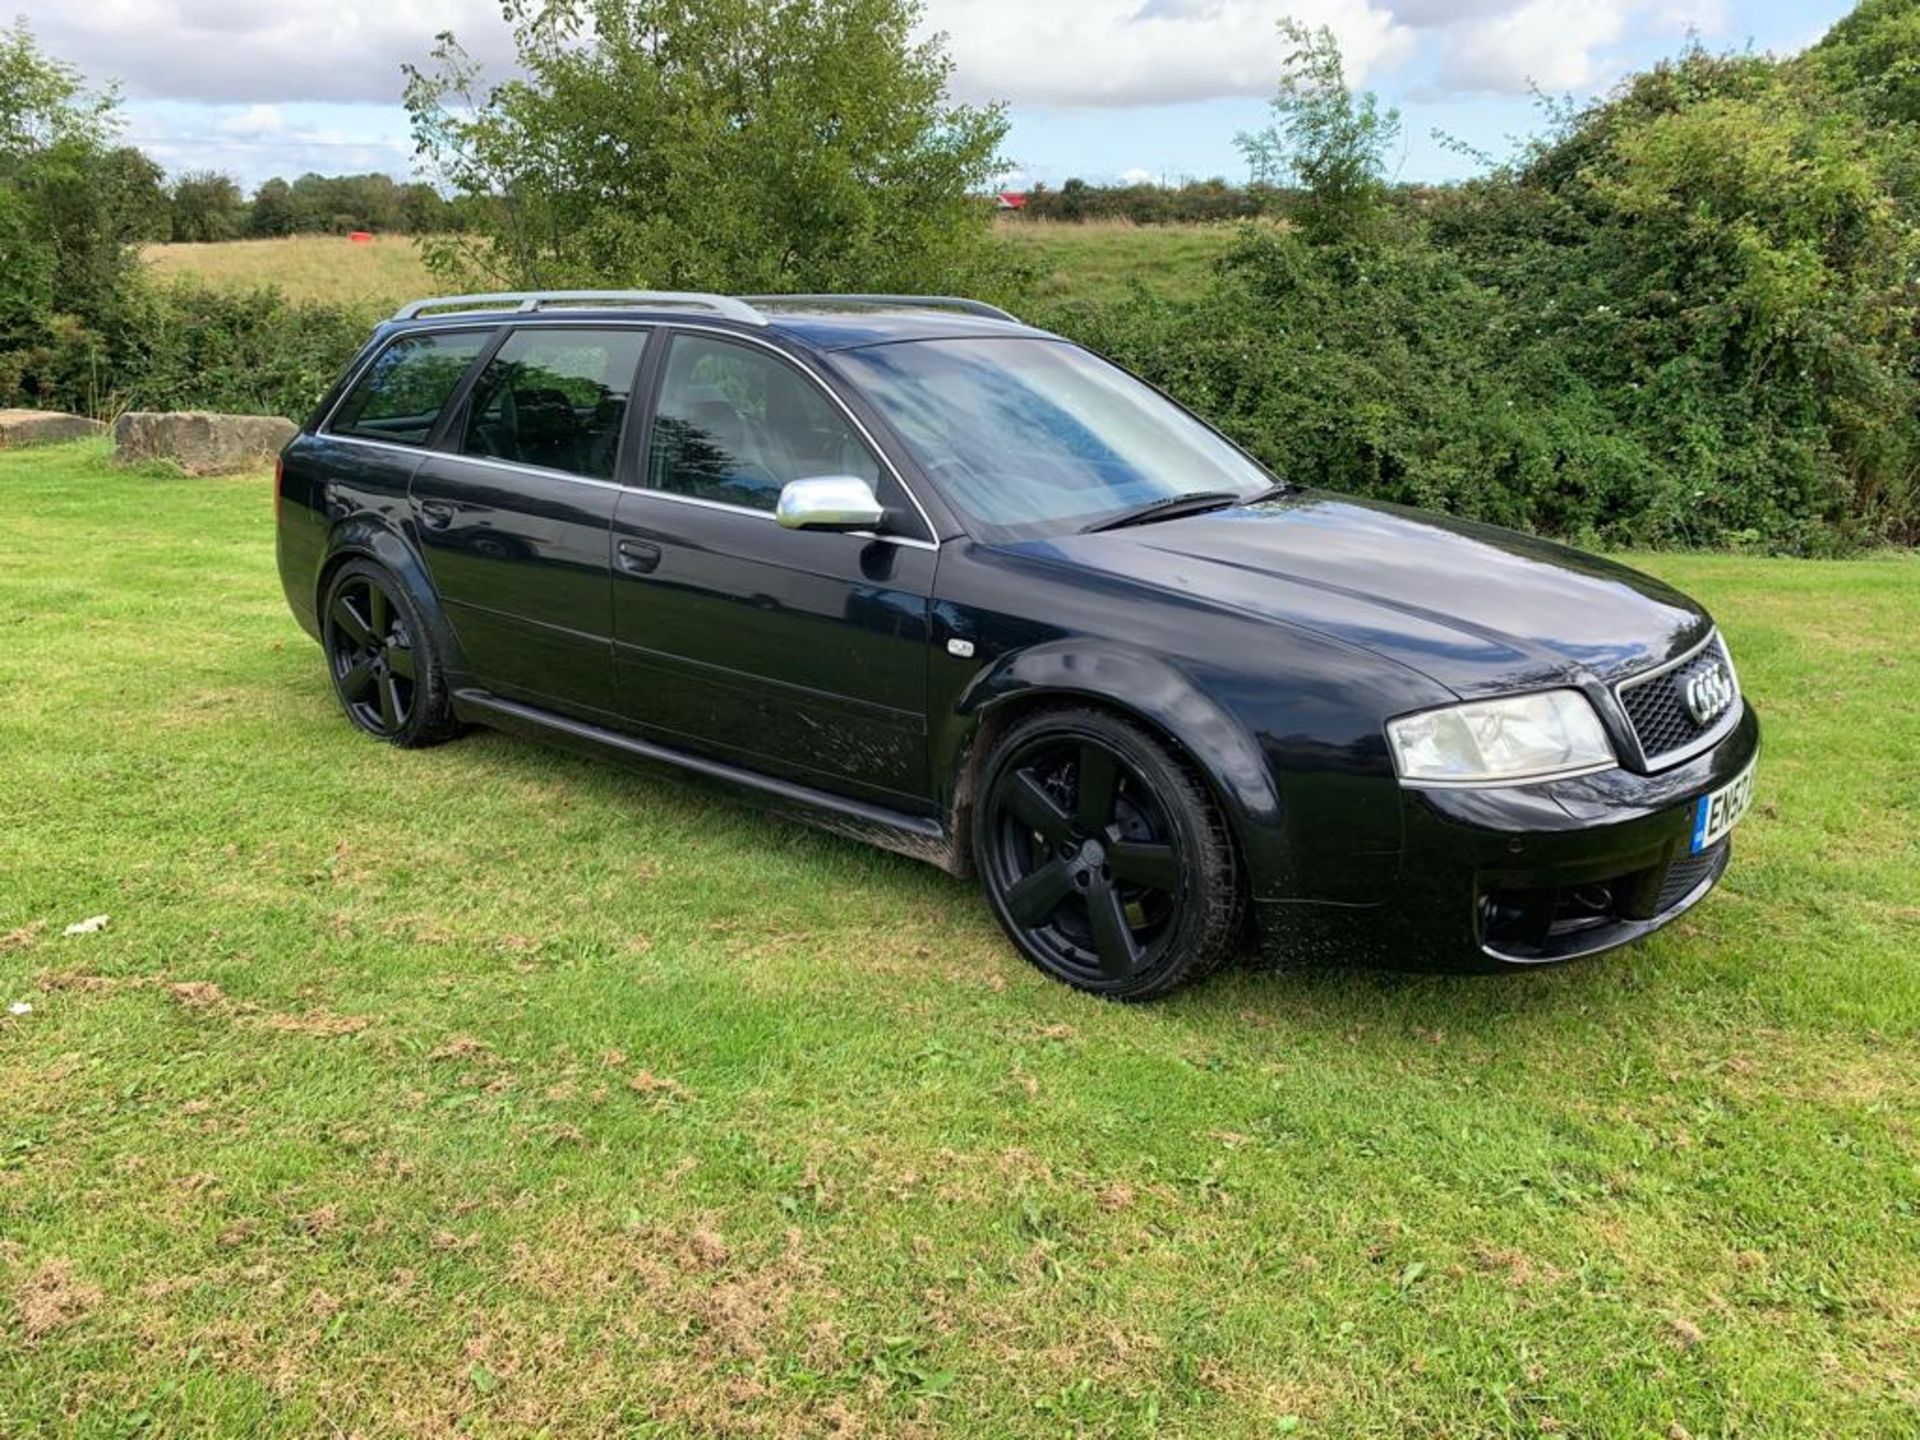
{"points": [[197, 994], [22, 938], [53, 1298], [322, 1023]]}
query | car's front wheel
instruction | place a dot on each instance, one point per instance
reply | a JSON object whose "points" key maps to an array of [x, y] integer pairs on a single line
{"points": [[381, 658], [1104, 856]]}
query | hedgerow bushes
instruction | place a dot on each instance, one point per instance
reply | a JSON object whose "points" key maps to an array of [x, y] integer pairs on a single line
{"points": [[1687, 315]]}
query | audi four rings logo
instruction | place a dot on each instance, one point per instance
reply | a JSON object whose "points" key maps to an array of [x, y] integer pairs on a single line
{"points": [[1709, 693]]}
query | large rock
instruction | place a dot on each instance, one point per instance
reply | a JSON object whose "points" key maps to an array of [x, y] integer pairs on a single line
{"points": [[199, 442], [43, 427]]}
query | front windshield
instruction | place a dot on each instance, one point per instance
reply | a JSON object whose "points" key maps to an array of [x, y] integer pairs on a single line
{"points": [[1033, 437]]}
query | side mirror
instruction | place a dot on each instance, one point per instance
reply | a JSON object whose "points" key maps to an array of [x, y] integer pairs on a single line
{"points": [[829, 502]]}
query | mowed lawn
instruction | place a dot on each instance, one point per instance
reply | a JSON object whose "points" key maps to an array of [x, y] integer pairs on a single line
{"points": [[493, 1091]]}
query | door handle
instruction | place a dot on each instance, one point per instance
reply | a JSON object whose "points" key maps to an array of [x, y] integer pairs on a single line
{"points": [[436, 514], [642, 557]]}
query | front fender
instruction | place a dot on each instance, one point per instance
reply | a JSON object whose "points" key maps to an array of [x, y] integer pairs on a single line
{"points": [[1142, 685]]}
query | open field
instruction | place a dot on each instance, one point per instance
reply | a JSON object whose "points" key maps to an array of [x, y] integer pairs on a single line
{"points": [[486, 1089], [306, 267], [1102, 260], [1096, 261]]}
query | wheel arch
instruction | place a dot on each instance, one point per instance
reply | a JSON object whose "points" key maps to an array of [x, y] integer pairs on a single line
{"points": [[1138, 687], [362, 537]]}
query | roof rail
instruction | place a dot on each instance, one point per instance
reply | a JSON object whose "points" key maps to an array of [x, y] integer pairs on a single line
{"points": [[931, 302], [525, 302]]}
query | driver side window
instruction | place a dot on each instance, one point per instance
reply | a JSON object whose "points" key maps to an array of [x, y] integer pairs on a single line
{"points": [[734, 424]]}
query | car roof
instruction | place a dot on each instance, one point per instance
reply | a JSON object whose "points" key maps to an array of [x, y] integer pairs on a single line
{"points": [[818, 322]]}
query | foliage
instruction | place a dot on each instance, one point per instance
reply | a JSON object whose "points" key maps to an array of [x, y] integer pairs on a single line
{"points": [[69, 205], [1324, 138], [207, 206], [1195, 202], [252, 351], [1685, 315], [337, 204], [742, 145]]}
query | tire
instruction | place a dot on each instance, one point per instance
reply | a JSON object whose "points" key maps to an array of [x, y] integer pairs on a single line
{"points": [[386, 672], [1104, 856]]}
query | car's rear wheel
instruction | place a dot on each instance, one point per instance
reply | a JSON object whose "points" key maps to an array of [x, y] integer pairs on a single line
{"points": [[381, 659], [1104, 856]]}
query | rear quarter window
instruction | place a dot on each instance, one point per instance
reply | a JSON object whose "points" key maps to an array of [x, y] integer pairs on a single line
{"points": [[401, 394]]}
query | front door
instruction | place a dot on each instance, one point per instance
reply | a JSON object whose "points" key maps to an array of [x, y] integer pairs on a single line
{"points": [[515, 516], [795, 652]]}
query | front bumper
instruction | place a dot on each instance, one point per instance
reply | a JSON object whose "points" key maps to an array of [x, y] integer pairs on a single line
{"points": [[1498, 879]]}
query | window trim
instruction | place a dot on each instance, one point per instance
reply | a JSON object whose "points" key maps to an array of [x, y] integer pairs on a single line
{"points": [[456, 396], [453, 443], [657, 382]]}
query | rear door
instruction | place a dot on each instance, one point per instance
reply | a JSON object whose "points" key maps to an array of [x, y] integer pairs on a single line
{"points": [[795, 652], [514, 512]]}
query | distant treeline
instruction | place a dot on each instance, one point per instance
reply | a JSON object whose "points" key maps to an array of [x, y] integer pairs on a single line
{"points": [[1192, 202], [206, 206]]}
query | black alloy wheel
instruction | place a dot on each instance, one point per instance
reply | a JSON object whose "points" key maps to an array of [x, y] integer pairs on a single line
{"points": [[1104, 857], [381, 660]]}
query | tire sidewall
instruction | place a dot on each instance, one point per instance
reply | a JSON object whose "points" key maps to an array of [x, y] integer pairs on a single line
{"points": [[1188, 950], [427, 718]]}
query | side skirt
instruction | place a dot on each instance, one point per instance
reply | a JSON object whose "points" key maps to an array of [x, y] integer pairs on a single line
{"points": [[915, 836]]}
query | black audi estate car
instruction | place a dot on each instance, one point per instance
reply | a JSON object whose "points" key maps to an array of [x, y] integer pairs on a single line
{"points": [[958, 587]]}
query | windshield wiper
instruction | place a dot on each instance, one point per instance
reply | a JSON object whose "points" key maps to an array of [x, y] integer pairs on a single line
{"points": [[1169, 506]]}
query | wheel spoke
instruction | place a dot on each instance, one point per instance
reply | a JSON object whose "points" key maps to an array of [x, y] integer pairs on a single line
{"points": [[349, 621], [1111, 936], [390, 708], [401, 660], [1142, 863], [1032, 900], [1096, 786], [353, 684], [1035, 808], [379, 613]]}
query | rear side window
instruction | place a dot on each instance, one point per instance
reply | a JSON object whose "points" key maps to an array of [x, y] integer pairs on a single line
{"points": [[556, 399], [401, 394]]}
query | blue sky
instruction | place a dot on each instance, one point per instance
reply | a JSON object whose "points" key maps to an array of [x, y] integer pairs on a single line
{"points": [[1103, 89]]}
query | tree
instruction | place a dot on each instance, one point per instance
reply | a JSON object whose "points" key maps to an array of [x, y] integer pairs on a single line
{"points": [[136, 195], [732, 144], [207, 206], [1323, 137], [274, 211], [68, 206]]}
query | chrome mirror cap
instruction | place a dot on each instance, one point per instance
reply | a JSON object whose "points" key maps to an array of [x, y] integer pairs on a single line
{"points": [[829, 502]]}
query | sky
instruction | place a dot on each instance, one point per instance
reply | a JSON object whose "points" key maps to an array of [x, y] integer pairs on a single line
{"points": [[1108, 90]]}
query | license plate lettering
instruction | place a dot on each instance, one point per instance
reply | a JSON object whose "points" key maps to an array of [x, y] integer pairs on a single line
{"points": [[1716, 814]]}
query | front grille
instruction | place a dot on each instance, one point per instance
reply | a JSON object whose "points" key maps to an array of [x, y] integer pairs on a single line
{"points": [[1657, 708], [1684, 875]]}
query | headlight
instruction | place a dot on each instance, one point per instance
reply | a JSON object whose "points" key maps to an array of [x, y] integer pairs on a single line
{"points": [[1522, 737]]}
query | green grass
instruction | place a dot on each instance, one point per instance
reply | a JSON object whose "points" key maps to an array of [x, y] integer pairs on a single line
{"points": [[1103, 261], [486, 1089], [1098, 261]]}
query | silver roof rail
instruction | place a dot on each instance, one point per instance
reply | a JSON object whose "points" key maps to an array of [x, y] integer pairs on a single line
{"points": [[525, 302], [929, 302]]}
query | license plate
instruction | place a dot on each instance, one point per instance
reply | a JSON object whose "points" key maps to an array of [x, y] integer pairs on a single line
{"points": [[1715, 814]]}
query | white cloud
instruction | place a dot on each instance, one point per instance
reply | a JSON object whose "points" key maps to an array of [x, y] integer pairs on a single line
{"points": [[239, 51], [1136, 176], [1549, 43], [1085, 53], [253, 121], [1133, 52]]}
